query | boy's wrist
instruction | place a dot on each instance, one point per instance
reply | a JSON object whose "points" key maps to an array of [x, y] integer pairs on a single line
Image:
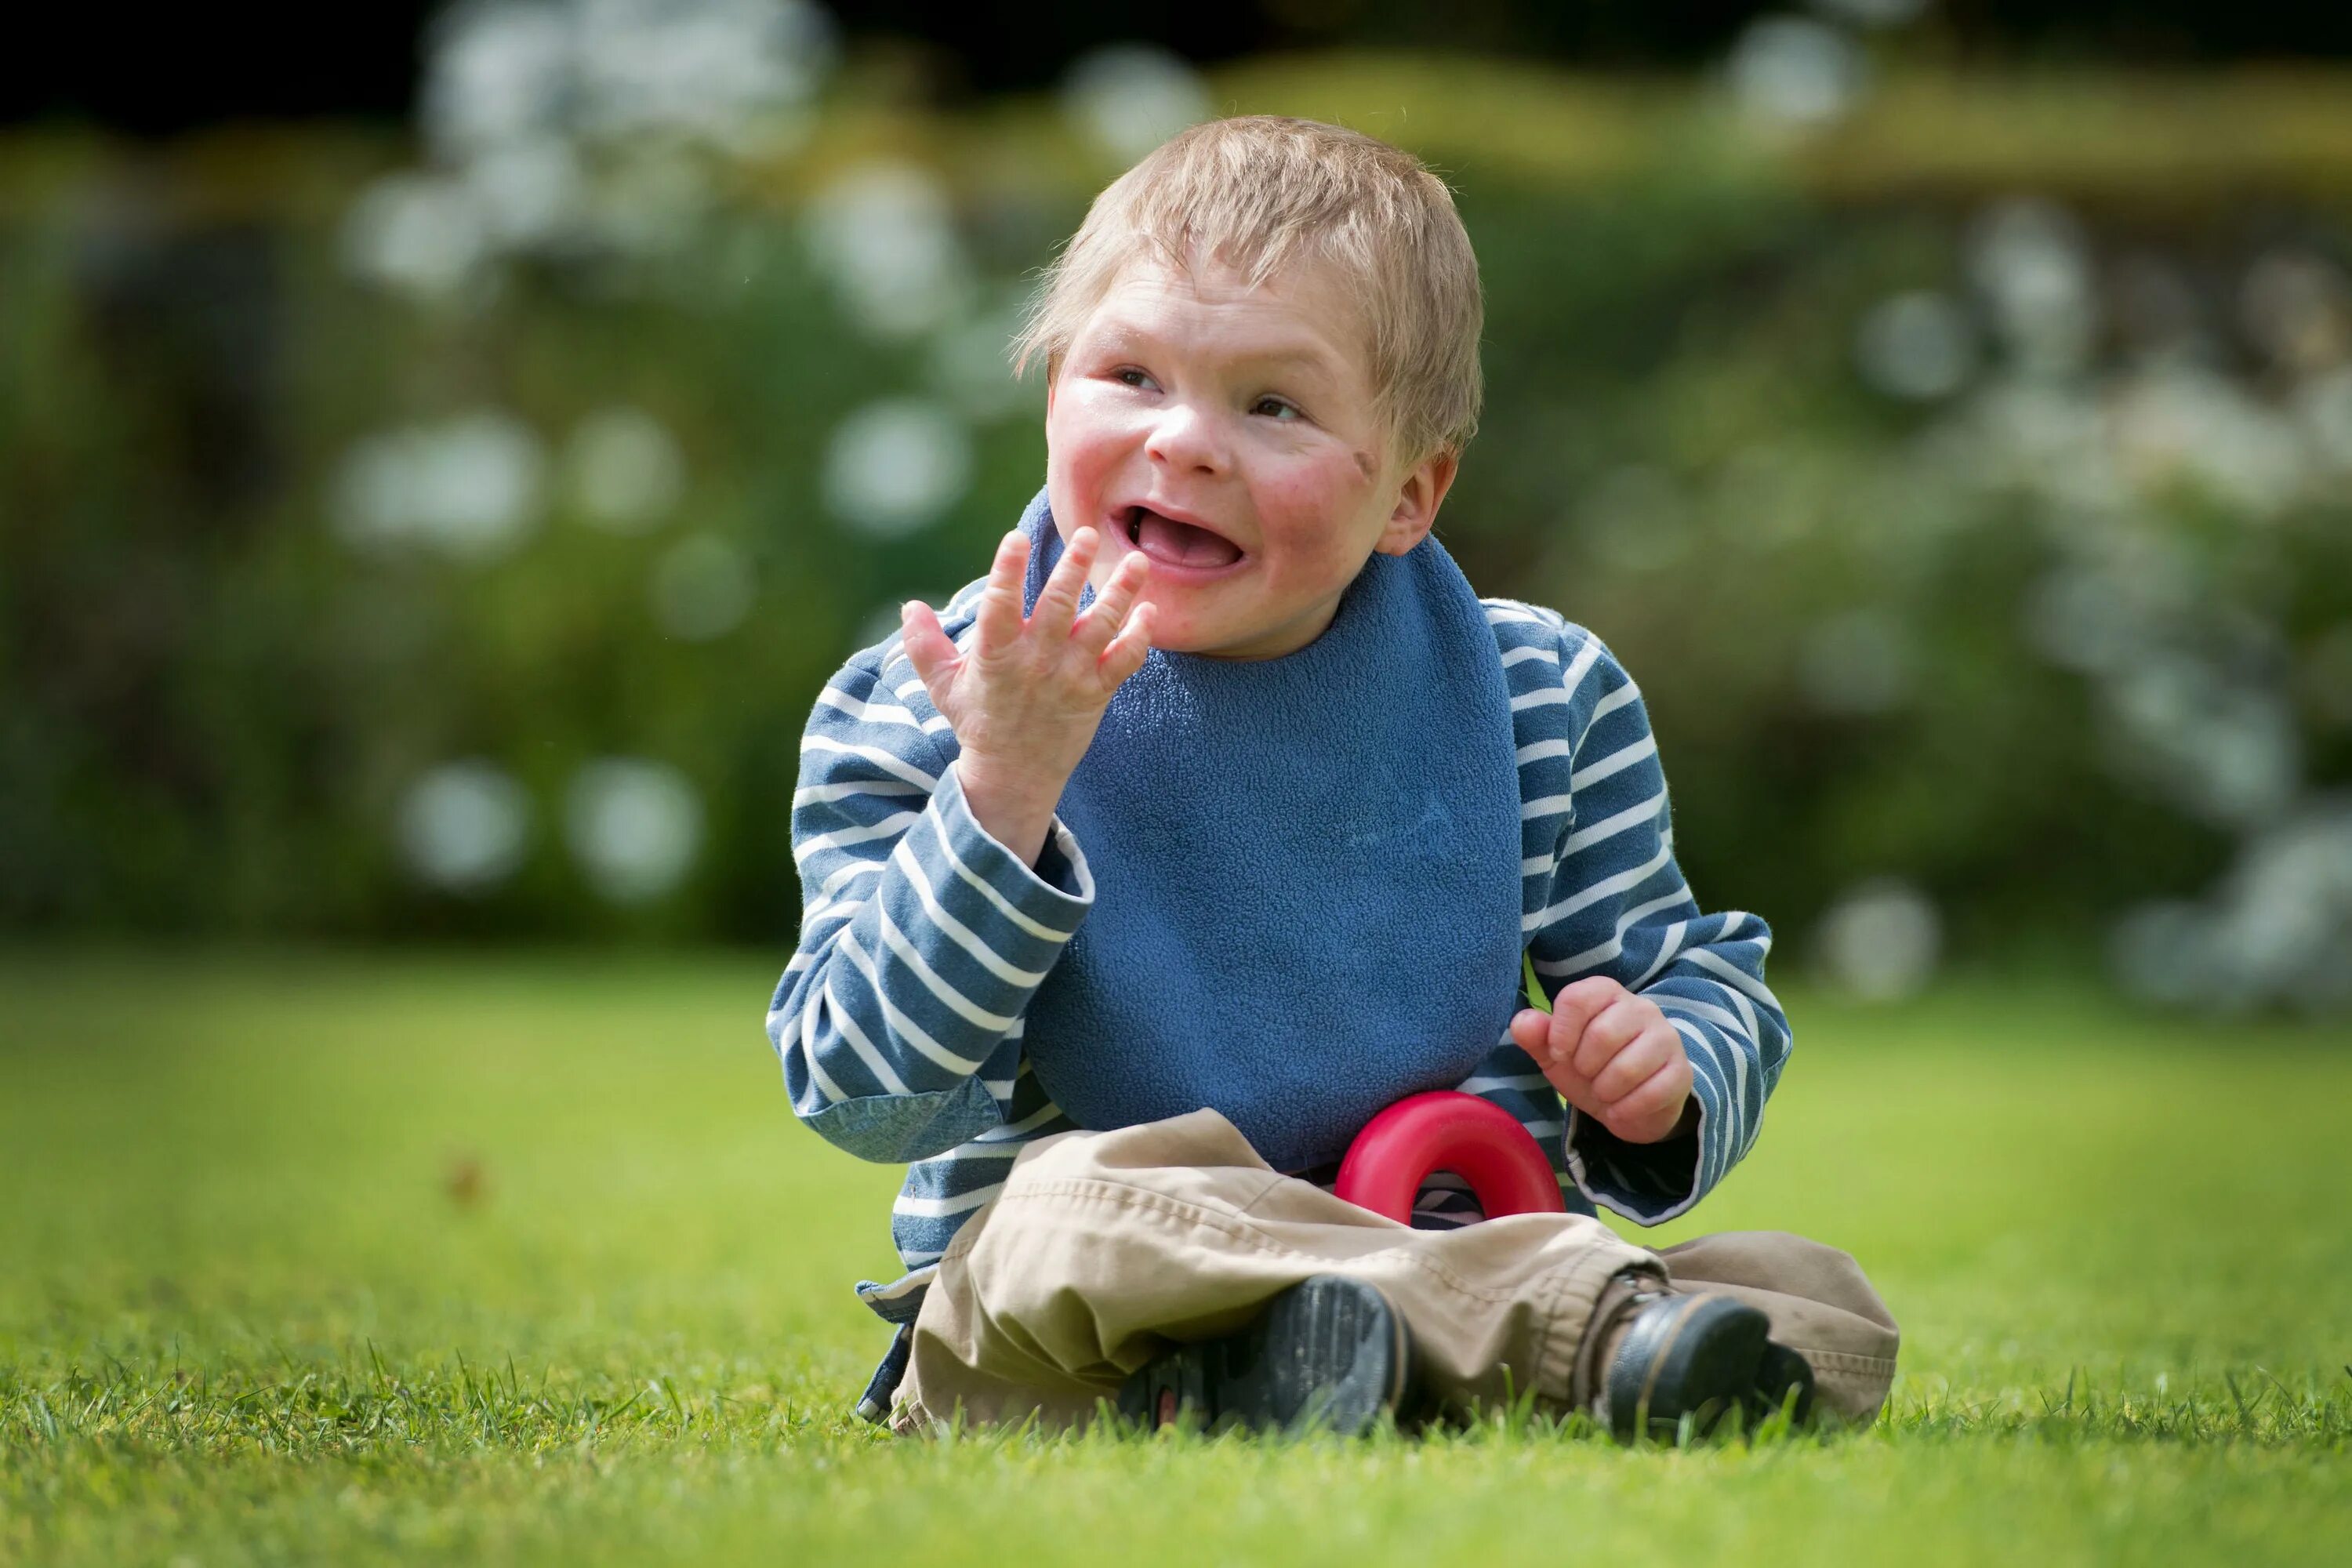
{"points": [[1013, 806]]}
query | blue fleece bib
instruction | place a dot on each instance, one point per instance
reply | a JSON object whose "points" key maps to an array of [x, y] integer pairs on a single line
{"points": [[1306, 873]]}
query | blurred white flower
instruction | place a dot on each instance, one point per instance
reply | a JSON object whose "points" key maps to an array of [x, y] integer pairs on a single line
{"points": [[717, 71], [1792, 70], [468, 487], [712, 69], [2081, 618], [702, 588], [634, 825], [892, 467], [1880, 939], [2169, 953], [530, 191], [624, 469], [2224, 750], [496, 71], [2044, 436], [1915, 345], [1874, 12], [2277, 929], [2031, 262], [464, 825], [1856, 663], [2179, 423], [1130, 97], [421, 234], [885, 235]]}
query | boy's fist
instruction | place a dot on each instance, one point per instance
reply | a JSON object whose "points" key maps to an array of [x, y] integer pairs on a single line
{"points": [[1613, 1055]]}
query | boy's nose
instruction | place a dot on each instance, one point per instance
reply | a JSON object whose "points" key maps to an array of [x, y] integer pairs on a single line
{"points": [[1185, 439]]}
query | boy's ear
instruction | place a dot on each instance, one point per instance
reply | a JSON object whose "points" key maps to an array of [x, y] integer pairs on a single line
{"points": [[1423, 490]]}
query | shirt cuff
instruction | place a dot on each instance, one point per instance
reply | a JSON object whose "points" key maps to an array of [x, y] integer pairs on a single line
{"points": [[1649, 1184], [1059, 891]]}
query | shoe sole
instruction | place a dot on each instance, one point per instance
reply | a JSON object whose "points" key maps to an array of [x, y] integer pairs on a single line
{"points": [[1328, 1353]]}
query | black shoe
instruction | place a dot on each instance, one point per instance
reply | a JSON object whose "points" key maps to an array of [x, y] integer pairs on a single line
{"points": [[1329, 1351], [1701, 1357]]}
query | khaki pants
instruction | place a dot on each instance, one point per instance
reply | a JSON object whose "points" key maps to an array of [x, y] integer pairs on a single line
{"points": [[1106, 1247]]}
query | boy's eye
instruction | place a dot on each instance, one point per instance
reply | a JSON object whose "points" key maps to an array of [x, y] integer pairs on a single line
{"points": [[1283, 408], [1128, 375]]}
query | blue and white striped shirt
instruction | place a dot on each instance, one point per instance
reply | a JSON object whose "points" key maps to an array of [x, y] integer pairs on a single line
{"points": [[899, 1018]]}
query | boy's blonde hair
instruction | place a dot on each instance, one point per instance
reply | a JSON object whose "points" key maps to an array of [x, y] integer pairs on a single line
{"points": [[1259, 192]]}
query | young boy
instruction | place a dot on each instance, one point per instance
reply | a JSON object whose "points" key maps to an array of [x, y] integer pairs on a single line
{"points": [[1218, 817]]}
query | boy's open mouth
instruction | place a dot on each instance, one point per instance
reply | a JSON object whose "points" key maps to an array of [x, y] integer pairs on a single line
{"points": [[1174, 543]]}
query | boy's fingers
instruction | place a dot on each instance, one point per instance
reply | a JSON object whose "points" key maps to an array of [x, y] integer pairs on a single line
{"points": [[998, 622], [1529, 1027], [1574, 1008], [1650, 1111], [1633, 1066], [1576, 1090], [928, 648], [1128, 650], [1057, 602], [1102, 621], [1616, 1027]]}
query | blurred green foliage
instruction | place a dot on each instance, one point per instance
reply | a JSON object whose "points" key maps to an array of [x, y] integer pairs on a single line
{"points": [[1845, 595]]}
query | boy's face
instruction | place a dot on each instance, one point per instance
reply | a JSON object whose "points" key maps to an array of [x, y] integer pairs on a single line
{"points": [[1229, 434]]}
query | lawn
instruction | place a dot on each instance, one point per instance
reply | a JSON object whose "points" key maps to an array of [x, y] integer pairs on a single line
{"points": [[355, 1259]]}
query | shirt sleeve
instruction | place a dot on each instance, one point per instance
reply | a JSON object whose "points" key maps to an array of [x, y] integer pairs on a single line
{"points": [[1616, 904], [922, 938]]}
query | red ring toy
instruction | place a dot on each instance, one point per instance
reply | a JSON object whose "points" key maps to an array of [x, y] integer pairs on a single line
{"points": [[1476, 1139]]}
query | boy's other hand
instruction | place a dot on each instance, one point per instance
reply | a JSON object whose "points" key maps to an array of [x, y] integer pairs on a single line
{"points": [[1026, 697], [1614, 1055]]}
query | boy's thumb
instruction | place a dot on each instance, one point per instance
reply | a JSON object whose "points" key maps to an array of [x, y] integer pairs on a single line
{"points": [[928, 648]]}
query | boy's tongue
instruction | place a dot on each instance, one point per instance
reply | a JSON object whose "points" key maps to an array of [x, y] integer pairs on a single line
{"points": [[1182, 544]]}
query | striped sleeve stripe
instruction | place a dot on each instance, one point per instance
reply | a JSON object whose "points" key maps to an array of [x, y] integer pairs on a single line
{"points": [[962, 935], [817, 794], [1732, 976], [874, 1062], [1629, 692], [879, 712], [1632, 817], [874, 754], [900, 1024], [1593, 957], [1006, 906], [961, 1005], [890, 827], [1540, 749], [1615, 762], [1608, 886], [1582, 665], [934, 1208]]}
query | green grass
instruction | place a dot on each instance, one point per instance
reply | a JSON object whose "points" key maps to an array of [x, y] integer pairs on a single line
{"points": [[353, 1260]]}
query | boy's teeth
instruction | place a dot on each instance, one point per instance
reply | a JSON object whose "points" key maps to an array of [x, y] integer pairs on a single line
{"points": [[1182, 544]]}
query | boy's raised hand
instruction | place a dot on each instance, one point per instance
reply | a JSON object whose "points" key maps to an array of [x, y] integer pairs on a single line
{"points": [[1026, 697], [1613, 1055]]}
